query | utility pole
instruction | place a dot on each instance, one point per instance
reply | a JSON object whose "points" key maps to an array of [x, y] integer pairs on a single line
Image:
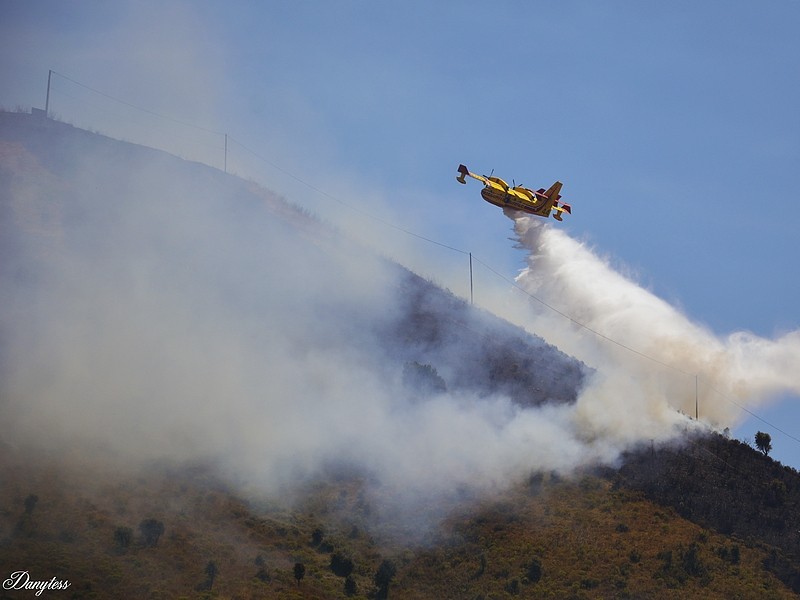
{"points": [[47, 100], [226, 152], [696, 401], [471, 299]]}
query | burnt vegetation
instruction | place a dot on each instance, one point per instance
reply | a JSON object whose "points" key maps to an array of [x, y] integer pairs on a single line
{"points": [[445, 344], [729, 487]]}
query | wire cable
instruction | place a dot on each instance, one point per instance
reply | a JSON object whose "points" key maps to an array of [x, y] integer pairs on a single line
{"points": [[752, 414], [128, 104], [580, 324], [343, 203]]}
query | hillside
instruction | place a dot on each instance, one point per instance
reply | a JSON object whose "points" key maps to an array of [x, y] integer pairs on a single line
{"points": [[585, 537], [728, 487], [45, 211], [203, 387]]}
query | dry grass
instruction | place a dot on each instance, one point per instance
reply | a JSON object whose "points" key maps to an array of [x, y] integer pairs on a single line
{"points": [[580, 538]]}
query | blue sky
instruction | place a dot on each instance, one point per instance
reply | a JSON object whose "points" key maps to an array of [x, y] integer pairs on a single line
{"points": [[673, 127]]}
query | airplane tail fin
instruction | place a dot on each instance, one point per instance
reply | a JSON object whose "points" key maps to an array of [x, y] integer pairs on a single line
{"points": [[554, 193], [463, 173]]}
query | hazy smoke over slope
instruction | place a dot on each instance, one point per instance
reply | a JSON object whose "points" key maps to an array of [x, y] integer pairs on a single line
{"points": [[157, 309], [741, 369]]}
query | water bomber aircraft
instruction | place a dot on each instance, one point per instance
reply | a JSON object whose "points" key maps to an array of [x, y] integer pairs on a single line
{"points": [[540, 203]]}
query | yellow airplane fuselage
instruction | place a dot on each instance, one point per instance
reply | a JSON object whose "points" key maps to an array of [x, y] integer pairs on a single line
{"points": [[512, 198]]}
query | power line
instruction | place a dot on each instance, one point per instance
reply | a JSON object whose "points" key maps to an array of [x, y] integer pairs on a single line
{"points": [[128, 104], [752, 414], [580, 324], [346, 204], [137, 120]]}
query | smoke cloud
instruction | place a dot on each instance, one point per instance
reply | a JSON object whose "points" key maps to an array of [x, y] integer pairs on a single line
{"points": [[155, 309], [158, 310], [651, 358]]}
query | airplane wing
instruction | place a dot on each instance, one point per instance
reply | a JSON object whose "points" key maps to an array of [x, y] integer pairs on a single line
{"points": [[464, 172]]}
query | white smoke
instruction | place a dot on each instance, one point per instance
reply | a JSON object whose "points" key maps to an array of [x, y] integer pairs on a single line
{"points": [[169, 316], [162, 312], [651, 359]]}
